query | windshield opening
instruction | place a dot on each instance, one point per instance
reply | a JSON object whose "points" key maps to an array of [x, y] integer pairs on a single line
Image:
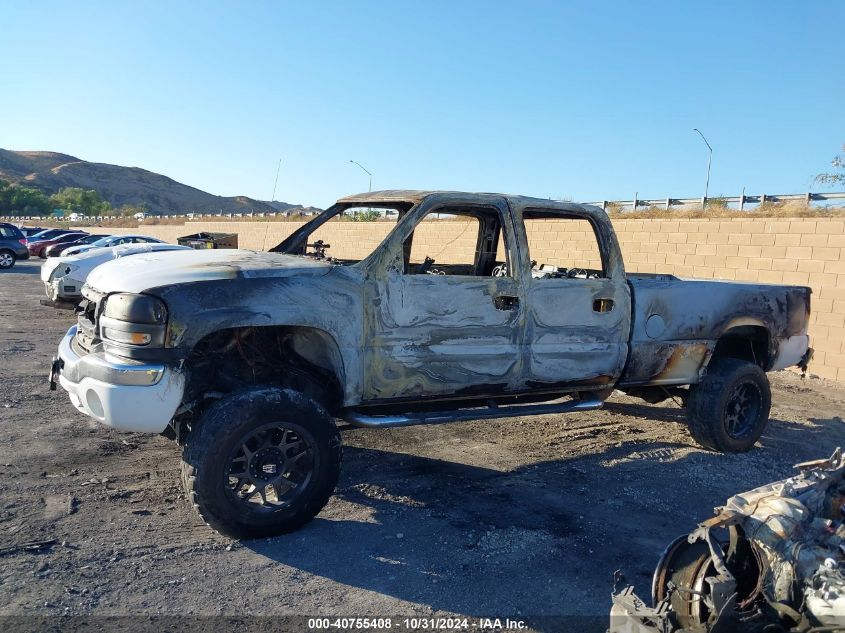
{"points": [[344, 234]]}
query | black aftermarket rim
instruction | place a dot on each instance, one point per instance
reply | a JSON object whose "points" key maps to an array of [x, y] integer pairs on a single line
{"points": [[270, 468], [743, 410]]}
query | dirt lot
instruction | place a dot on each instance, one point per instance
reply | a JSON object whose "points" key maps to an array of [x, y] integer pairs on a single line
{"points": [[520, 518]]}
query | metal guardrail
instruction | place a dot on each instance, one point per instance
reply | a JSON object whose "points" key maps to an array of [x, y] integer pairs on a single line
{"points": [[151, 216], [742, 200], [665, 203]]}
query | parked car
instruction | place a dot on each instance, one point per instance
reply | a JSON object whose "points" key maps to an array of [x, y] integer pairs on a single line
{"points": [[39, 247], [47, 234], [64, 276], [59, 249], [114, 240], [247, 358], [30, 230], [12, 245]]}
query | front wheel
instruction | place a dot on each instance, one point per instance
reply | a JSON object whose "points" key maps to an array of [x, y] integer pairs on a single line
{"points": [[261, 462], [7, 259], [729, 409]]}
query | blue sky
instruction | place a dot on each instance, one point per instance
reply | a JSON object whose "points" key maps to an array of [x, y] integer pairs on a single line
{"points": [[583, 100]]}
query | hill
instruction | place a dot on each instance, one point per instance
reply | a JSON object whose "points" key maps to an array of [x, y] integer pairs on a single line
{"points": [[50, 171]]}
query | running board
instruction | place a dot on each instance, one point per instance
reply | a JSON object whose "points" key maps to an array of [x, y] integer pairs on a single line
{"points": [[357, 417]]}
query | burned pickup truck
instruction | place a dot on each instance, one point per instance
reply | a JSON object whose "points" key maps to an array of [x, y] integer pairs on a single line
{"points": [[469, 306]]}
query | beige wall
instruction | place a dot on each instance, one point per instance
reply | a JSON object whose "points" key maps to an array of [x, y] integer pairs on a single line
{"points": [[802, 251]]}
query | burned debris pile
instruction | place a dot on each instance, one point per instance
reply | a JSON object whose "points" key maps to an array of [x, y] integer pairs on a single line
{"points": [[772, 559]]}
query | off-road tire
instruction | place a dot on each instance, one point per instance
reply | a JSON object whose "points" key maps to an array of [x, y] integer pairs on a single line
{"points": [[7, 259], [207, 460], [708, 411]]}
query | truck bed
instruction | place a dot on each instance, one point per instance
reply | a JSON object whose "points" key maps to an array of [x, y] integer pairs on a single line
{"points": [[676, 324]]}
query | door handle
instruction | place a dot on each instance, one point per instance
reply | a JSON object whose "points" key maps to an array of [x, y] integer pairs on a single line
{"points": [[603, 305], [505, 302]]}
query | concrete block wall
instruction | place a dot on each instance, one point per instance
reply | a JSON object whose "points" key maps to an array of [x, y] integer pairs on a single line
{"points": [[563, 243], [792, 251], [800, 251]]}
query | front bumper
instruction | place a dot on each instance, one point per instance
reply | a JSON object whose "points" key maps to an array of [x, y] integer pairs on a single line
{"points": [[63, 289], [125, 395]]}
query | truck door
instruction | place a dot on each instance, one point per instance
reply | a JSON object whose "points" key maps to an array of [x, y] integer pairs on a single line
{"points": [[579, 305], [447, 318]]}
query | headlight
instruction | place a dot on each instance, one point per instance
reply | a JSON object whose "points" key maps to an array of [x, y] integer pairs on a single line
{"points": [[135, 308], [133, 320], [62, 270]]}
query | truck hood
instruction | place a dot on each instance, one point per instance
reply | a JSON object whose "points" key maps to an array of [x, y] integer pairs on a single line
{"points": [[150, 270]]}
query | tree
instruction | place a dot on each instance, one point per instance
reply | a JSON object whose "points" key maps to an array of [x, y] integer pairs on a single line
{"points": [[4, 195], [362, 215], [76, 200], [22, 200], [29, 201], [129, 210], [836, 177]]}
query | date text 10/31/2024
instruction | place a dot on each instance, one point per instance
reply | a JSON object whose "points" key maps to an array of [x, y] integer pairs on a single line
{"points": [[416, 624]]}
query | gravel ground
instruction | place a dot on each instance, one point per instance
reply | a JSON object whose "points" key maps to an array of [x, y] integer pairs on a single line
{"points": [[521, 518]]}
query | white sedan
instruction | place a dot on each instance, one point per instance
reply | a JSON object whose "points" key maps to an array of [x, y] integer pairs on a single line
{"points": [[113, 240], [64, 276]]}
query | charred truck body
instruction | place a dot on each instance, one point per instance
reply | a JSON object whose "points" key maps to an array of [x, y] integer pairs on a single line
{"points": [[247, 358]]}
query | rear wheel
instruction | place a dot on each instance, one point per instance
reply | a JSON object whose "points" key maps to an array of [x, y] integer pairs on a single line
{"points": [[7, 259], [729, 409], [261, 462]]}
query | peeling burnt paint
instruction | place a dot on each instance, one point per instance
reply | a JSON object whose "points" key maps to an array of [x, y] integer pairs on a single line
{"points": [[772, 559], [696, 314], [390, 336], [666, 362]]}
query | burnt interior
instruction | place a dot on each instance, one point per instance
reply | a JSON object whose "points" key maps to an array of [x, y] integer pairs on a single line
{"points": [[489, 233]]}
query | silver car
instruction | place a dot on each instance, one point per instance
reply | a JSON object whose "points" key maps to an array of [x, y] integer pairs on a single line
{"points": [[64, 276], [113, 240]]}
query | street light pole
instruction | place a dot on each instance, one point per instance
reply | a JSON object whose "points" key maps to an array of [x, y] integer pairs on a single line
{"points": [[366, 170], [709, 161], [276, 182]]}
